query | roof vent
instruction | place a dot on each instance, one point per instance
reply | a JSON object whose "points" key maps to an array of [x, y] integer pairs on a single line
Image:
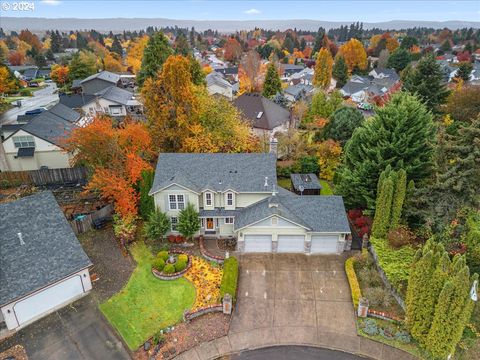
{"points": [[20, 237], [259, 115], [266, 182], [220, 182]]}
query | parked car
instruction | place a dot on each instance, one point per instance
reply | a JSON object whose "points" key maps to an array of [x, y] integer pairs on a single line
{"points": [[33, 84], [365, 106], [35, 111]]}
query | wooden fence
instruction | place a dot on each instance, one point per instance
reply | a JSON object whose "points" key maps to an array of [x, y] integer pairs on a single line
{"points": [[76, 175], [85, 223]]}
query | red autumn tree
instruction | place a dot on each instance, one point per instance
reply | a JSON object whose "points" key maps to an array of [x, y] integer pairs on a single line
{"points": [[16, 58], [232, 49]]}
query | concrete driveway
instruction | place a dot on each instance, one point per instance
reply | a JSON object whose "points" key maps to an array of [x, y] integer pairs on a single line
{"points": [[292, 296]]}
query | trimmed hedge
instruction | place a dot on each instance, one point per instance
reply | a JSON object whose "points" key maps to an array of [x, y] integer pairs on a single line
{"points": [[396, 263], [158, 264], [353, 281], [180, 265], [169, 269], [229, 278], [163, 255], [183, 258]]}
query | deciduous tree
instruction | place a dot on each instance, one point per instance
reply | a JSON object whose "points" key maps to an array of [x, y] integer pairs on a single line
{"points": [[329, 157], [354, 54], [232, 50], [59, 74], [135, 53], [323, 69]]}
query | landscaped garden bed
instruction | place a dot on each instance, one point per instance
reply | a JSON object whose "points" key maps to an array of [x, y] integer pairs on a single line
{"points": [[171, 265]]}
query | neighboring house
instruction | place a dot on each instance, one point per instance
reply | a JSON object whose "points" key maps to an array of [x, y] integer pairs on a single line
{"points": [[217, 84], [43, 266], [44, 73], [294, 93], [76, 86], [374, 88], [30, 74], [100, 81], [474, 75], [230, 73], [236, 196], [289, 69], [40, 142], [305, 184], [267, 117]]}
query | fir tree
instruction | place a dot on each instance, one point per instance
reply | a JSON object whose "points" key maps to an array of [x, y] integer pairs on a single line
{"points": [[340, 71], [146, 204], [116, 46], [156, 52], [272, 84], [398, 198], [464, 70], [188, 221], [426, 82], [399, 59], [383, 208]]}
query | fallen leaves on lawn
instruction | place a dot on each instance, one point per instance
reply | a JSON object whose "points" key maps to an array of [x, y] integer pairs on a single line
{"points": [[206, 279]]}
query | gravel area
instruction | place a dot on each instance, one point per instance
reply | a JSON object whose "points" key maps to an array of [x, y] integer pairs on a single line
{"points": [[16, 352], [186, 336]]}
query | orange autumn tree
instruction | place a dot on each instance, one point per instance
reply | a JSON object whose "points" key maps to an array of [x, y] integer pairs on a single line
{"points": [[135, 53], [116, 156], [354, 54], [59, 74], [232, 50]]}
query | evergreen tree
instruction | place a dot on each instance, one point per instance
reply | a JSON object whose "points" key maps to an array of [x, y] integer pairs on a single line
{"points": [[464, 70], [383, 208], [408, 42], [192, 37], [446, 47], [156, 52], [181, 45], [400, 134], [157, 225], [40, 61], [399, 59], [188, 221], [272, 84], [81, 66], [116, 46], [340, 71], [342, 124], [426, 81], [146, 204], [323, 69], [196, 72], [398, 198]]}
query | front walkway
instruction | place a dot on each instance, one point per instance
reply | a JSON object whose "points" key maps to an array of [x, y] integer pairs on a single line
{"points": [[287, 299]]}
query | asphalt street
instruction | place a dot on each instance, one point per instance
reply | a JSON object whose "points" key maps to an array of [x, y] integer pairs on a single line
{"points": [[40, 98], [294, 353]]}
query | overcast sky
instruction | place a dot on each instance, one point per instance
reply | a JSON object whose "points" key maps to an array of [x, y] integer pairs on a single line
{"points": [[367, 11]]}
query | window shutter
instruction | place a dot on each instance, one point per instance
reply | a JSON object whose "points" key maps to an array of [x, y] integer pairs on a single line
{"points": [[167, 205], [185, 197]]}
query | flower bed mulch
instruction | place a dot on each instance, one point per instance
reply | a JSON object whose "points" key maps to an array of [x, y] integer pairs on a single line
{"points": [[186, 336], [17, 352]]}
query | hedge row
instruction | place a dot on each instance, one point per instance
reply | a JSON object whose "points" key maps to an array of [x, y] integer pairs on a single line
{"points": [[229, 278], [353, 281]]}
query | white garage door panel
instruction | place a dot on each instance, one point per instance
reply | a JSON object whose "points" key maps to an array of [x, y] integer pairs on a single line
{"points": [[47, 299], [258, 243], [290, 243], [324, 244]]}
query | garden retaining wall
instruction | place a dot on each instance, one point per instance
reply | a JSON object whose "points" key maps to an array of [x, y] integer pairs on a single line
{"points": [[383, 276], [206, 254], [190, 315], [176, 275]]}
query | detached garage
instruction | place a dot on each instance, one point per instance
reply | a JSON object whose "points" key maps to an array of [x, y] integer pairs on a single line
{"points": [[43, 266]]}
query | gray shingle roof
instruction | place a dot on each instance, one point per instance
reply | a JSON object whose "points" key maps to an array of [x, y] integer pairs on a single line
{"points": [[115, 94], [217, 212], [317, 213], [49, 127], [103, 75], [64, 112], [252, 104], [51, 251], [218, 172], [308, 181], [76, 101]]}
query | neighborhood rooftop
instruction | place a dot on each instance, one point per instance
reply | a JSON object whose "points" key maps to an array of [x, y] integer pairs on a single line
{"points": [[37, 246], [263, 112], [217, 172]]}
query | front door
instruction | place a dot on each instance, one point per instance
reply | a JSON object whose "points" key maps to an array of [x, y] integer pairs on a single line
{"points": [[210, 224]]}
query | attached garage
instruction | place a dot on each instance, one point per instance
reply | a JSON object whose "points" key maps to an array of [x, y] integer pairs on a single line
{"points": [[258, 243], [290, 243], [50, 298], [324, 244]]}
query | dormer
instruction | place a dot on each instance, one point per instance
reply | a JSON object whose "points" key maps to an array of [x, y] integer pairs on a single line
{"points": [[208, 200]]}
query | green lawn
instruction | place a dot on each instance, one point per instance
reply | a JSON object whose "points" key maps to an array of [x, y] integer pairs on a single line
{"points": [[14, 98], [147, 304], [326, 189]]}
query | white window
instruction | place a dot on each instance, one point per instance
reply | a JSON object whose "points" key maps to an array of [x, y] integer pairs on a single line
{"points": [[177, 202], [174, 222], [23, 141], [229, 220], [116, 110], [229, 199], [208, 199]]}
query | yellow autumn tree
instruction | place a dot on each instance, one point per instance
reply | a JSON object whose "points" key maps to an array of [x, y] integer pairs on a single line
{"points": [[111, 62], [323, 69], [135, 53], [354, 54]]}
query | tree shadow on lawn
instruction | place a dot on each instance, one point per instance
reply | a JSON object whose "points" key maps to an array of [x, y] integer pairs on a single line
{"points": [[147, 304]]}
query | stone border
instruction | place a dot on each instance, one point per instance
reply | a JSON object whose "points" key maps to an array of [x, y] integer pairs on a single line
{"points": [[206, 254], [190, 315], [384, 278], [176, 275]]}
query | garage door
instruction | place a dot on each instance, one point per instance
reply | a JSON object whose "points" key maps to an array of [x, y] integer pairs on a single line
{"points": [[47, 299], [258, 243], [324, 244], [290, 243]]}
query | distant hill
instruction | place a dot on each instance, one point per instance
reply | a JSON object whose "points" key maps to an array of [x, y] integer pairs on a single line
{"points": [[120, 24]]}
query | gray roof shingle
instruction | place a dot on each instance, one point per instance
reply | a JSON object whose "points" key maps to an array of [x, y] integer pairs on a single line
{"points": [[218, 172], [64, 112], [316, 213], [103, 75], [263, 112], [50, 127], [308, 181], [51, 251], [115, 94]]}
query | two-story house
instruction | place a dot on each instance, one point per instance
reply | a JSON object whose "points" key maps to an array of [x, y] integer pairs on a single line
{"points": [[236, 195]]}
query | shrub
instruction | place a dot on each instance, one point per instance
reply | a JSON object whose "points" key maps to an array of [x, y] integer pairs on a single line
{"points": [[400, 236], [25, 92], [354, 214], [158, 338], [378, 297], [370, 327], [353, 281], [183, 258], [403, 336], [180, 265], [229, 278], [158, 264], [370, 277], [169, 269], [163, 255]]}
